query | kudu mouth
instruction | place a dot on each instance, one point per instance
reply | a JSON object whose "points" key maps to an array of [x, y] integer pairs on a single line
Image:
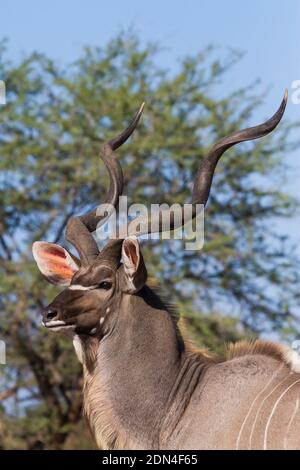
{"points": [[52, 321], [57, 325]]}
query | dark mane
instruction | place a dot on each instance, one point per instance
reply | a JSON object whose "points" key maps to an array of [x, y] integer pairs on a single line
{"points": [[158, 297]]}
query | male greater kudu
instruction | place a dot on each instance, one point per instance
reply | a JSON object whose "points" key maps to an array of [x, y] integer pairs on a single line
{"points": [[145, 387]]}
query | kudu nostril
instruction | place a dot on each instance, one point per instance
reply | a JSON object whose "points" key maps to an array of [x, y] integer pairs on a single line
{"points": [[50, 314]]}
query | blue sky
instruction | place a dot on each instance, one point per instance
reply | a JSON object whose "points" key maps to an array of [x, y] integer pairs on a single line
{"points": [[267, 31]]}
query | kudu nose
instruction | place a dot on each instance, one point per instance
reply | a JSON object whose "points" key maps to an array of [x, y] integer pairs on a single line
{"points": [[50, 313]]}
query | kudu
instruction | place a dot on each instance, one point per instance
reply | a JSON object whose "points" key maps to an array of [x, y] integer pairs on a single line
{"points": [[145, 387]]}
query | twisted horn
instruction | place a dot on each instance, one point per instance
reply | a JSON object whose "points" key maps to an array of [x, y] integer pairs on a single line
{"points": [[204, 176], [79, 229]]}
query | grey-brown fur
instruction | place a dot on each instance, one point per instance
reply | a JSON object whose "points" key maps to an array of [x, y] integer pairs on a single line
{"points": [[150, 393], [145, 387]]}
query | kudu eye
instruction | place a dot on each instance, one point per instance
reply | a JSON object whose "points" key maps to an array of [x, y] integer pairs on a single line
{"points": [[105, 285]]}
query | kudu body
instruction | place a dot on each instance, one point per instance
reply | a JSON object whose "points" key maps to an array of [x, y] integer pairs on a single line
{"points": [[145, 387]]}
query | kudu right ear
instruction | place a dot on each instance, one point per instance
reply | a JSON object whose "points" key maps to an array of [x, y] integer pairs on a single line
{"points": [[55, 263], [134, 266]]}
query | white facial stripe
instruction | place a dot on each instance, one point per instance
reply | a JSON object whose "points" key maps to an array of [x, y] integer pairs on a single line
{"points": [[79, 287]]}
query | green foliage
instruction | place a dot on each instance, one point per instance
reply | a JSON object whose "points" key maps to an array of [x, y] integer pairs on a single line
{"points": [[50, 133]]}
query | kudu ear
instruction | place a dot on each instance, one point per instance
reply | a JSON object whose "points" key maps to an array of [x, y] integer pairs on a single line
{"points": [[134, 266], [55, 263]]}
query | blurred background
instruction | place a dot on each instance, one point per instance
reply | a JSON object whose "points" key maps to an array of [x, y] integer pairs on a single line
{"points": [[75, 73]]}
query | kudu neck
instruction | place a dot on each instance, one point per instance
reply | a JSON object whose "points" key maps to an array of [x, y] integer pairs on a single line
{"points": [[127, 394]]}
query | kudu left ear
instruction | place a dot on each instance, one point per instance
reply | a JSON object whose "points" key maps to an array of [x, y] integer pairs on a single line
{"points": [[55, 263], [134, 267]]}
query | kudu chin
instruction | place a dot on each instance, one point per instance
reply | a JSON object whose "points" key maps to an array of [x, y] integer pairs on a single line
{"points": [[145, 387]]}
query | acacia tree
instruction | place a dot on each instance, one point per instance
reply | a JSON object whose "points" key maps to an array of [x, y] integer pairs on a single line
{"points": [[50, 133]]}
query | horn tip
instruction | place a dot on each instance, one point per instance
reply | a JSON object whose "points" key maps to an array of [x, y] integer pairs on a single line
{"points": [[141, 108]]}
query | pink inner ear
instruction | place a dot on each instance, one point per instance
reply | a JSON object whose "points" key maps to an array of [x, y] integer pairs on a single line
{"points": [[55, 251], [130, 251], [54, 262]]}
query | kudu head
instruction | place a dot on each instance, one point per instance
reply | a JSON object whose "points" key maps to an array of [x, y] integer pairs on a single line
{"points": [[96, 281]]}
